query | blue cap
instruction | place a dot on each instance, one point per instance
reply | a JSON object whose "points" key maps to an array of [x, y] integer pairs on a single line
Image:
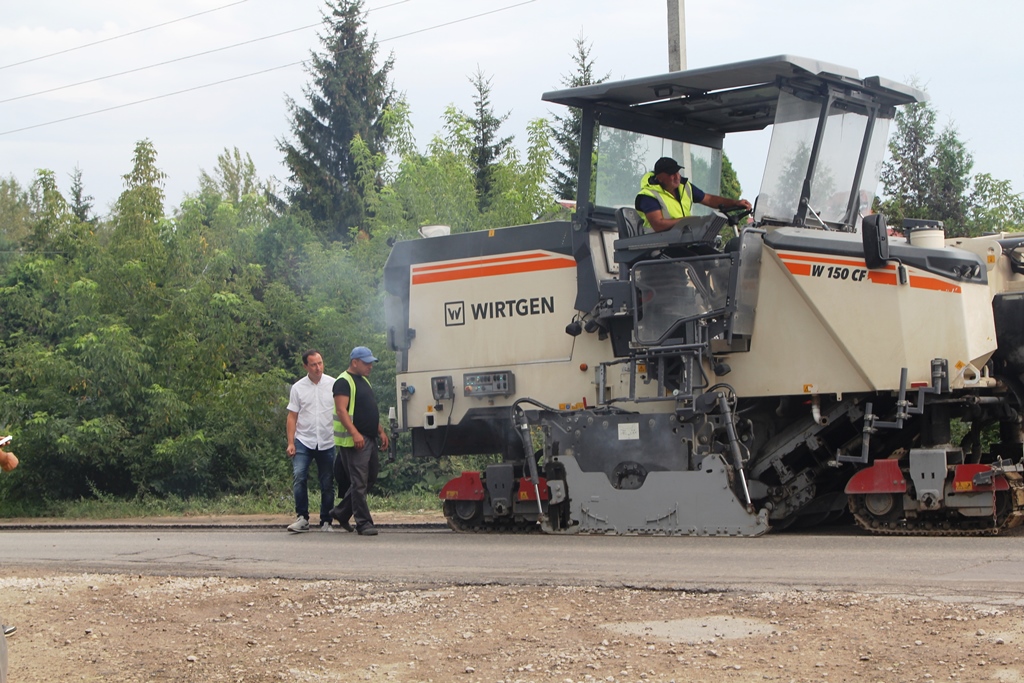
{"points": [[362, 353]]}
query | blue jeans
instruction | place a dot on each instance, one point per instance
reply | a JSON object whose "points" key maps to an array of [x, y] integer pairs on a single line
{"points": [[300, 473]]}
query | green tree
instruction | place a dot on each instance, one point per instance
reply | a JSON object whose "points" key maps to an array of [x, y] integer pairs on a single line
{"points": [[994, 206], [347, 97], [565, 129], [140, 207], [928, 174], [949, 182], [731, 187], [519, 185], [81, 203], [14, 211], [439, 186], [233, 178], [15, 219], [906, 174], [487, 146], [50, 211]]}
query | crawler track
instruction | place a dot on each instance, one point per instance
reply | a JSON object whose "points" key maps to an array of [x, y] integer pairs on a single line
{"points": [[484, 527], [476, 523], [1007, 515]]}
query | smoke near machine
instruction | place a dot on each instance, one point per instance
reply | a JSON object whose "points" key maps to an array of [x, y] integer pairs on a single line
{"points": [[724, 376]]}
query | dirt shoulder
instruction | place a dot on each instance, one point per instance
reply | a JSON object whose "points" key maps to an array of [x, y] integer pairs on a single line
{"points": [[114, 627], [135, 628]]}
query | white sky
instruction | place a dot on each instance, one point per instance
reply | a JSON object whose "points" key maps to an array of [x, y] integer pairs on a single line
{"points": [[968, 58]]}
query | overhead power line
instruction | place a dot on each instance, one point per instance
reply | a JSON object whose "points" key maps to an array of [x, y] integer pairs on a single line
{"points": [[180, 59], [153, 66], [123, 35], [257, 73], [150, 99]]}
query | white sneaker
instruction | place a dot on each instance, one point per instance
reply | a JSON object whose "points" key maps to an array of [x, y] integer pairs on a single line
{"points": [[326, 527], [299, 525]]}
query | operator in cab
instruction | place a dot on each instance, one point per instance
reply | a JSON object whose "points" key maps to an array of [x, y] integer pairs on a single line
{"points": [[665, 196]]}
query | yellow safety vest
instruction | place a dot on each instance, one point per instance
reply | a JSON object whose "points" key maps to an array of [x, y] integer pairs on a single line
{"points": [[670, 206], [342, 438]]}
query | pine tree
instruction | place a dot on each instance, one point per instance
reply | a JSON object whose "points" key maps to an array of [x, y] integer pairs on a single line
{"points": [[81, 203], [347, 97], [566, 129], [487, 147]]}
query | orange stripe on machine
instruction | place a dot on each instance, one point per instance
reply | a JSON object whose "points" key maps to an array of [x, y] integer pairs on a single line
{"points": [[527, 262], [855, 270]]}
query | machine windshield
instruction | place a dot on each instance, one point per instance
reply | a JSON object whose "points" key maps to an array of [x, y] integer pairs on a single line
{"points": [[623, 158], [832, 183]]}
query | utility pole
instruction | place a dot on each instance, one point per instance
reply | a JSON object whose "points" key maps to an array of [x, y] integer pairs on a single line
{"points": [[677, 35], [677, 62]]}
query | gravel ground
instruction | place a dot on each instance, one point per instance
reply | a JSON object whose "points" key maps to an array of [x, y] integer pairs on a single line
{"points": [[109, 627]]}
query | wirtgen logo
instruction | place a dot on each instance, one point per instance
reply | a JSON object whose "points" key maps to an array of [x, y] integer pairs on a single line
{"points": [[513, 308], [454, 313]]}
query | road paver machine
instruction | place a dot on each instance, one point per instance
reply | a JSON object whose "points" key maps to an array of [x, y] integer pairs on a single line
{"points": [[732, 374]]}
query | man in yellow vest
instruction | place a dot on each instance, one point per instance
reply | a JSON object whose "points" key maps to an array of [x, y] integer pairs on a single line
{"points": [[665, 196], [356, 430]]}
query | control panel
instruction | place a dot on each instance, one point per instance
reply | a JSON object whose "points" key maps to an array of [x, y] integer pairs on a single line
{"points": [[498, 383]]}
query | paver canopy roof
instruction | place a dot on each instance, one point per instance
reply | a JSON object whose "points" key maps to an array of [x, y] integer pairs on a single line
{"points": [[727, 98]]}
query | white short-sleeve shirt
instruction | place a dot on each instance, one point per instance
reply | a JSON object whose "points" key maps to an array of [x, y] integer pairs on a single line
{"points": [[314, 404]]}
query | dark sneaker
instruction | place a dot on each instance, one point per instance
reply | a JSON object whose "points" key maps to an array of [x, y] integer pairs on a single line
{"points": [[9, 630], [368, 530], [343, 523]]}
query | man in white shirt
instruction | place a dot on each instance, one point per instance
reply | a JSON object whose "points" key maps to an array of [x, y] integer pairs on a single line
{"points": [[311, 438]]}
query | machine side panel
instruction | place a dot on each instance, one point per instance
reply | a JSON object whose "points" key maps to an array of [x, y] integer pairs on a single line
{"points": [[828, 324], [492, 310], [473, 304]]}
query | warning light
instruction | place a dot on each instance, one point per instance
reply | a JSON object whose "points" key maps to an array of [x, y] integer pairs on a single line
{"points": [[584, 367]]}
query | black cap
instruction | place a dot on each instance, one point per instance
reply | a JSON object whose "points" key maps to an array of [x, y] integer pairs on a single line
{"points": [[666, 165]]}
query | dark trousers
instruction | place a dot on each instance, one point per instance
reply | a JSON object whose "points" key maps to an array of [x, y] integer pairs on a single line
{"points": [[362, 466], [341, 477]]}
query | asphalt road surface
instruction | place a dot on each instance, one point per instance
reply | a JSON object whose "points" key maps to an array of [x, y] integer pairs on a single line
{"points": [[843, 561]]}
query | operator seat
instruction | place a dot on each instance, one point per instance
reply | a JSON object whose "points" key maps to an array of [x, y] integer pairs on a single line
{"points": [[629, 221]]}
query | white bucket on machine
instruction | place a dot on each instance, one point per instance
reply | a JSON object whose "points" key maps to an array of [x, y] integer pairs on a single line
{"points": [[928, 234]]}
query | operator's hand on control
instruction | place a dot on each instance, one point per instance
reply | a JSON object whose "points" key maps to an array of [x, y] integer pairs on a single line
{"points": [[358, 441], [735, 205], [383, 439], [291, 450], [725, 204]]}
